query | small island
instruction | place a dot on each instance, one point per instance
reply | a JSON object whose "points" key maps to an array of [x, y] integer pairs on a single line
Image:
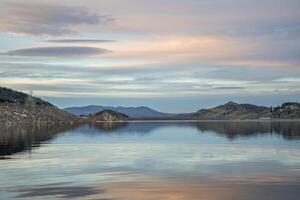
{"points": [[108, 116]]}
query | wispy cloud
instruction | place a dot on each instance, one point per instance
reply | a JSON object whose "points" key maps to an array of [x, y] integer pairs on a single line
{"points": [[78, 41], [56, 51], [228, 88]]}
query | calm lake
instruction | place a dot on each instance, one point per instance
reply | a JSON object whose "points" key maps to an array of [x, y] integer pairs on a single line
{"points": [[151, 160]]}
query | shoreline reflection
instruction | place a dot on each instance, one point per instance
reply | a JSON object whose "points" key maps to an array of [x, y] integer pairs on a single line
{"points": [[16, 138], [23, 137], [151, 160]]}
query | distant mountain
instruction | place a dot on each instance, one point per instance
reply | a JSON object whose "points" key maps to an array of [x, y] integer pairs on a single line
{"points": [[18, 107], [228, 111], [233, 111], [108, 115], [132, 112]]}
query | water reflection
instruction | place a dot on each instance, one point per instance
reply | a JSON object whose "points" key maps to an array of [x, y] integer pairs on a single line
{"points": [[15, 138], [234, 129], [60, 191], [109, 126], [152, 160], [21, 137], [229, 129]]}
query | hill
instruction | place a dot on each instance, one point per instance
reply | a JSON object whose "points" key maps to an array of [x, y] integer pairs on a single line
{"points": [[11, 96], [233, 111], [108, 115], [18, 107], [132, 112], [288, 110]]}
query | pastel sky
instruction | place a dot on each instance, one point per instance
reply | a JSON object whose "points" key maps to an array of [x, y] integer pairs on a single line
{"points": [[171, 55]]}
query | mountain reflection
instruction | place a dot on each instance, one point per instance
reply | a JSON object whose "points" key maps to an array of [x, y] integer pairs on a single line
{"points": [[234, 129], [230, 129]]}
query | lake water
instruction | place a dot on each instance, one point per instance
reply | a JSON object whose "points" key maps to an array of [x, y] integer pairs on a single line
{"points": [[151, 160]]}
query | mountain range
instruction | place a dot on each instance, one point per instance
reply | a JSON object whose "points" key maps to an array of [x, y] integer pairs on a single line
{"points": [[133, 112], [228, 111]]}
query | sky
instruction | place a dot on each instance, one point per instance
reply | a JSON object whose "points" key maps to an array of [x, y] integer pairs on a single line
{"points": [[171, 55]]}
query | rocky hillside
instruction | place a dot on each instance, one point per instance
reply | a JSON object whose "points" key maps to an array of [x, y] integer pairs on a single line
{"points": [[17, 107], [289, 110], [233, 111], [108, 115]]}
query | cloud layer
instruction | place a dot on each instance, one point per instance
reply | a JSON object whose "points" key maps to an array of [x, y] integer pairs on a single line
{"points": [[50, 19], [169, 53]]}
